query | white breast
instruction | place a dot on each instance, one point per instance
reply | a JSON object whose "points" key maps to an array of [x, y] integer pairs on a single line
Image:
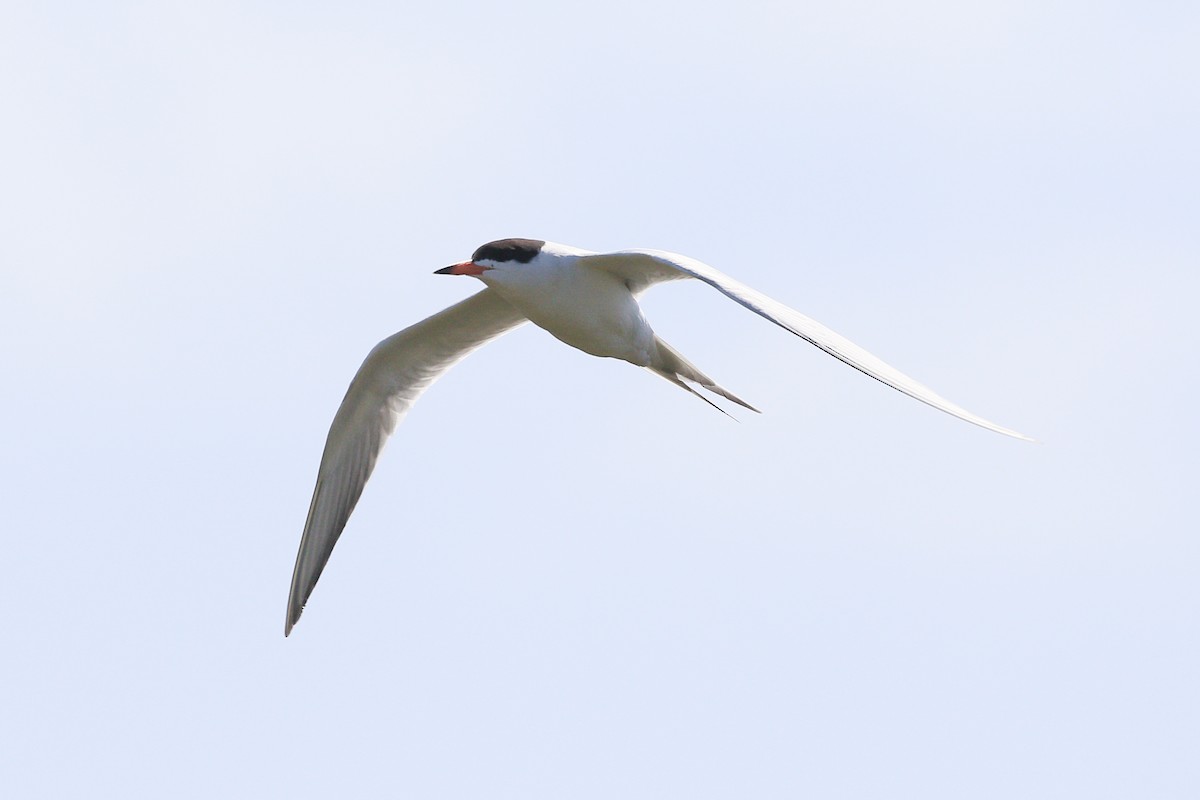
{"points": [[586, 308]]}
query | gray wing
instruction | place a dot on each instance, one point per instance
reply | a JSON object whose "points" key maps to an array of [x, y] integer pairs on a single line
{"points": [[643, 268], [390, 380]]}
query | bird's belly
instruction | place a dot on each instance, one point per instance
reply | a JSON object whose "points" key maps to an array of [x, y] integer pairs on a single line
{"points": [[595, 314]]}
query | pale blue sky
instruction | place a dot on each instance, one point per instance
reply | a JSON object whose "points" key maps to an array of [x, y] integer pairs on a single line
{"points": [[568, 578]]}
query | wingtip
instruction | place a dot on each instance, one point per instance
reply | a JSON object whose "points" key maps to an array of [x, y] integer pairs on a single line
{"points": [[293, 617], [1010, 432]]}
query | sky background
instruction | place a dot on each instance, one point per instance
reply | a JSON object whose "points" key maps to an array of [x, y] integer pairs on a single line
{"points": [[568, 578]]}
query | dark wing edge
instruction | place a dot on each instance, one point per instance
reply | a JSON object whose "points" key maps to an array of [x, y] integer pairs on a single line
{"points": [[643, 268]]}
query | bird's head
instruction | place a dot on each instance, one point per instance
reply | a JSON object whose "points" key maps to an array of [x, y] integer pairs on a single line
{"points": [[499, 256]]}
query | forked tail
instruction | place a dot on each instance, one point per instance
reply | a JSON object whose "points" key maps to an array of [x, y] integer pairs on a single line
{"points": [[671, 365]]}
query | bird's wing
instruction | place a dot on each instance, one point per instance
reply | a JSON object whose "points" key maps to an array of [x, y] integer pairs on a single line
{"points": [[641, 269], [392, 377]]}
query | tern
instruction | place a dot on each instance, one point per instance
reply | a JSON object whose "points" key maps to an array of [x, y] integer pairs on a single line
{"points": [[585, 299]]}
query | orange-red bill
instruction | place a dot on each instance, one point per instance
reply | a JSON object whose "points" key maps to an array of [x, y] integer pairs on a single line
{"points": [[462, 268]]}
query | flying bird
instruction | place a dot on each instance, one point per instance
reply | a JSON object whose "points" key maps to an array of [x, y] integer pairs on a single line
{"points": [[587, 300]]}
